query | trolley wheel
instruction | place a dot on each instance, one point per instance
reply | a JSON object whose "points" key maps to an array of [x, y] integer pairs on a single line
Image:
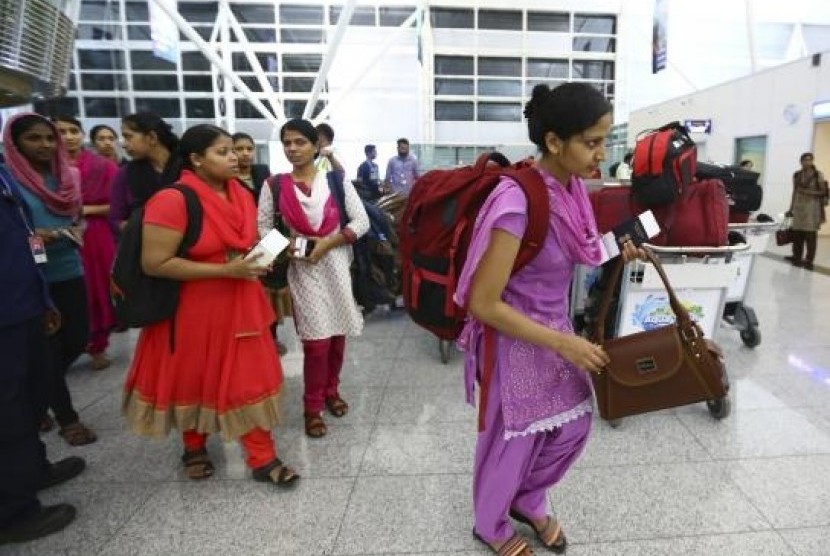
{"points": [[720, 408], [444, 350], [614, 423], [751, 336]]}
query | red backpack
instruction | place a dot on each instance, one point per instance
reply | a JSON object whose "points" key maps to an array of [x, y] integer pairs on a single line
{"points": [[436, 228], [665, 162]]}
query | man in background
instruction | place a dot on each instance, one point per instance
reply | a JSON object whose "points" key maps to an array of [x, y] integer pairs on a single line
{"points": [[326, 161], [368, 173], [402, 170]]}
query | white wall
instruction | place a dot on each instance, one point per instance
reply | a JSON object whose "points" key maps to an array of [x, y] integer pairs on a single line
{"points": [[762, 104]]}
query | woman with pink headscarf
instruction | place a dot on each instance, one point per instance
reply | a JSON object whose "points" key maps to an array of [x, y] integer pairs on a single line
{"points": [[48, 183], [98, 251]]}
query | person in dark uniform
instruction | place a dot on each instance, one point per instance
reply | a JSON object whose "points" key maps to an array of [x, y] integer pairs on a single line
{"points": [[27, 315]]}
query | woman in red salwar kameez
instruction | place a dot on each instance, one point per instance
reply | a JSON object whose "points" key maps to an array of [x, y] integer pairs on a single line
{"points": [[220, 373]]}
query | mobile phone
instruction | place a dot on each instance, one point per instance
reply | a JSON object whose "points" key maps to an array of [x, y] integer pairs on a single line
{"points": [[304, 246]]}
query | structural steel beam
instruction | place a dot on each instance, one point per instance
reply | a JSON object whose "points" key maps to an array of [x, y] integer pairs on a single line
{"points": [[211, 55], [328, 59]]}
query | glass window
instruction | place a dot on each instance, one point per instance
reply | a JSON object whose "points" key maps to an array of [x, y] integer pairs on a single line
{"points": [[594, 44], [137, 11], [540, 67], [307, 36], [452, 18], [103, 82], [600, 24], [592, 69], [301, 63], [106, 107], [155, 82], [58, 106], [199, 108], [499, 112], [394, 17], [195, 61], [454, 111], [499, 87], [101, 59], [204, 32], [100, 10], [454, 87], [253, 13], [245, 109], [550, 22], [252, 83], [297, 84], [301, 15], [146, 60], [294, 108], [73, 85], [164, 107], [198, 83], [199, 12], [239, 62], [507, 20], [454, 65], [509, 67], [260, 35], [98, 32], [139, 32], [362, 15]]}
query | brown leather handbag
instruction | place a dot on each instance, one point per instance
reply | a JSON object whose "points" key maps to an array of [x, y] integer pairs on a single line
{"points": [[666, 367]]}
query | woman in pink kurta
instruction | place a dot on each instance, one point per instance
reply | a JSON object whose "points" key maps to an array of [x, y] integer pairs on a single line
{"points": [[98, 251], [539, 401]]}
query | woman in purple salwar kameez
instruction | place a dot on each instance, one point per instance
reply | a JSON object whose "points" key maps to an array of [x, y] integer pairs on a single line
{"points": [[98, 251], [539, 401]]}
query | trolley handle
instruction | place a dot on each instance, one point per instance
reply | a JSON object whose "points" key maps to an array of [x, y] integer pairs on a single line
{"points": [[756, 226], [698, 250]]}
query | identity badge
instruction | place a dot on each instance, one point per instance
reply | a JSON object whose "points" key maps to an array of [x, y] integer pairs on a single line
{"points": [[38, 249]]}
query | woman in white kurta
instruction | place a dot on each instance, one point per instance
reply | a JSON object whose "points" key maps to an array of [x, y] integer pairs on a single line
{"points": [[320, 281]]}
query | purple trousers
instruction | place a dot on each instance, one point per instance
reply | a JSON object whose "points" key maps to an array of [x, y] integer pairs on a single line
{"points": [[517, 473]]}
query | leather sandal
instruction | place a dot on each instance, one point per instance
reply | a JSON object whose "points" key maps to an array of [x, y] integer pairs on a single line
{"points": [[197, 464], [552, 537], [77, 434], [337, 406], [514, 546], [276, 473], [315, 427]]}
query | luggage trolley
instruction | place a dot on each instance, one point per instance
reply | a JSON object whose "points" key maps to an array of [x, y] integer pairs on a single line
{"points": [[736, 313], [701, 278]]}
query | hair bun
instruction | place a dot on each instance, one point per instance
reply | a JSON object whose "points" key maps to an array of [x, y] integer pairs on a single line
{"points": [[540, 93]]}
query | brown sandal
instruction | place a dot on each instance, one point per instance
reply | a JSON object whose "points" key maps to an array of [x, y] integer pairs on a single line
{"points": [[315, 427], [551, 536], [337, 406], [276, 473], [515, 546], [197, 464], [77, 434]]}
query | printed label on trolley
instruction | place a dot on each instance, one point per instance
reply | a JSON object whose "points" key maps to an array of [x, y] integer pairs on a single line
{"points": [[643, 310]]}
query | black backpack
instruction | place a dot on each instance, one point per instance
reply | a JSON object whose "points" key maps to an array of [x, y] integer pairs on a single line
{"points": [[140, 300]]}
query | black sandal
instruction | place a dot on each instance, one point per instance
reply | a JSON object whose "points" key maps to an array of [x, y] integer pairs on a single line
{"points": [[285, 477], [551, 536], [197, 464]]}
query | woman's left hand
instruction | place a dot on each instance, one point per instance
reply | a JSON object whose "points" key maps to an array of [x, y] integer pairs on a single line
{"points": [[322, 246], [631, 252]]}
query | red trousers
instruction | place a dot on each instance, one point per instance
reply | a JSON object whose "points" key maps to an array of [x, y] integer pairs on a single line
{"points": [[321, 371], [258, 444]]}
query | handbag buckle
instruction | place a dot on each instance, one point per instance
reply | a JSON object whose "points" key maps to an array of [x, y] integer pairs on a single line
{"points": [[690, 333]]}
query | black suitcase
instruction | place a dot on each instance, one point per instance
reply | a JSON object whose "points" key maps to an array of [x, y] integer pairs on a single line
{"points": [[741, 185]]}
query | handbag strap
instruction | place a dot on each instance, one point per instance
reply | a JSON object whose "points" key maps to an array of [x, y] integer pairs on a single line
{"points": [[684, 322]]}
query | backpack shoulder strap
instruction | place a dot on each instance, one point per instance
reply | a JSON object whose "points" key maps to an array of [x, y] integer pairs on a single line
{"points": [[194, 217], [338, 191], [274, 186], [538, 214]]}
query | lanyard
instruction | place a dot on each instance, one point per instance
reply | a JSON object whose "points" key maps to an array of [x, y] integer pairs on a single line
{"points": [[9, 196]]}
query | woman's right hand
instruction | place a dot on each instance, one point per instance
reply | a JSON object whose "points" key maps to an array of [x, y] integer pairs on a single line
{"points": [[584, 354], [248, 269]]}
